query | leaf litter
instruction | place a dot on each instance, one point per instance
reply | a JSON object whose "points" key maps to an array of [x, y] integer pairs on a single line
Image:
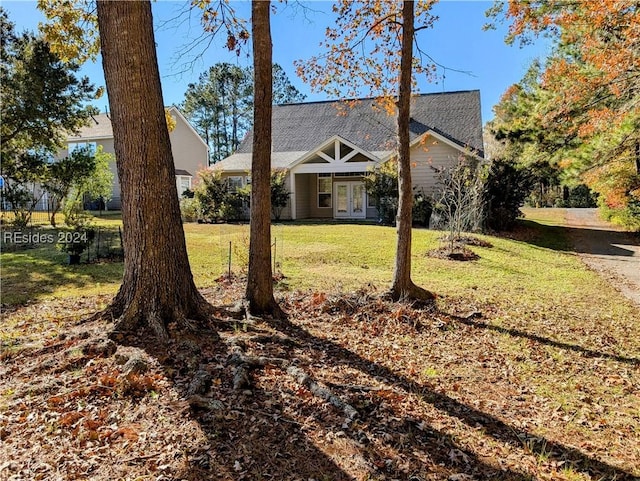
{"points": [[350, 387]]}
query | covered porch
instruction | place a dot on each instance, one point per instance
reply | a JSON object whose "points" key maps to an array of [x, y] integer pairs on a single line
{"points": [[328, 183]]}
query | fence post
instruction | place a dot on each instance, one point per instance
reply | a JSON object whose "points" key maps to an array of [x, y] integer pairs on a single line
{"points": [[98, 244], [229, 274], [275, 251]]}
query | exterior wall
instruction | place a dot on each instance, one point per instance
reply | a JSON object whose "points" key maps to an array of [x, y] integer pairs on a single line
{"points": [[286, 212], [372, 212], [189, 152], [303, 198], [437, 155]]}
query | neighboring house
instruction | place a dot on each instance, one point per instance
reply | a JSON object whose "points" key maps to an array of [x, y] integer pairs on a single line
{"points": [[190, 151], [327, 148]]}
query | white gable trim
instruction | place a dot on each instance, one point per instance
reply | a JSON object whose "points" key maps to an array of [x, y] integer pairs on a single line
{"points": [[336, 140], [440, 138]]}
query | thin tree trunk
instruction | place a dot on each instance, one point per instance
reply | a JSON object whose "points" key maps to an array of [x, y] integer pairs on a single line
{"points": [[260, 277], [157, 287], [402, 286]]}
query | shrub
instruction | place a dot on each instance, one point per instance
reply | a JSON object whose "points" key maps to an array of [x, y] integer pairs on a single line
{"points": [[21, 201], [279, 193], [627, 217], [460, 203], [381, 183], [235, 205], [579, 196], [422, 209], [210, 193], [189, 209], [505, 190]]}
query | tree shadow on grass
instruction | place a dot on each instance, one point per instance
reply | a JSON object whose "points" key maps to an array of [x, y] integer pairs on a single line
{"points": [[34, 267], [472, 417], [600, 242], [546, 341], [30, 274]]}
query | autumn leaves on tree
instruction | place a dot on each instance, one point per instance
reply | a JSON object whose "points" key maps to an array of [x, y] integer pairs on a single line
{"points": [[580, 110]]}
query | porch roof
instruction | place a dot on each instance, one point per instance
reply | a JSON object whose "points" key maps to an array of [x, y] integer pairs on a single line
{"points": [[241, 161]]}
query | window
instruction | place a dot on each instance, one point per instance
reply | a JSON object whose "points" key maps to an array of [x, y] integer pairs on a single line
{"points": [[184, 184], [371, 203], [234, 183], [349, 174], [90, 146], [325, 187]]}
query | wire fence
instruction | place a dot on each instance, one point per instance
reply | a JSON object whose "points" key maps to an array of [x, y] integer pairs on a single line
{"points": [[94, 244]]}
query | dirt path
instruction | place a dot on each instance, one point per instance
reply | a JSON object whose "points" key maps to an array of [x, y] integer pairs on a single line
{"points": [[607, 250]]}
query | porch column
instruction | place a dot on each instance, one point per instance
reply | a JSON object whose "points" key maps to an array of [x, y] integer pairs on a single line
{"points": [[292, 196]]}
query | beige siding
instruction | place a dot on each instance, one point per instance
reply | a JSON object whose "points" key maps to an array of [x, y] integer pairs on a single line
{"points": [[303, 198], [107, 146], [189, 152], [424, 158]]}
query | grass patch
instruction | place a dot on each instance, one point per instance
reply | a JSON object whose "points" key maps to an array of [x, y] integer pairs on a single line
{"points": [[529, 270]]}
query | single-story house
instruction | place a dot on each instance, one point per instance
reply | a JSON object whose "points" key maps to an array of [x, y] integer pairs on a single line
{"points": [[190, 151], [327, 147]]}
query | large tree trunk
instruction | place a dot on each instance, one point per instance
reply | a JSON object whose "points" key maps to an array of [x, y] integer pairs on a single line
{"points": [[260, 277], [402, 286], [157, 287]]}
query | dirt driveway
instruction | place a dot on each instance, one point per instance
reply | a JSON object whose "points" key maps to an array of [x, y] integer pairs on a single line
{"points": [[609, 251]]}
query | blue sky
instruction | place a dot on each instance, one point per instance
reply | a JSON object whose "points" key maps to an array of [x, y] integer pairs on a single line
{"points": [[457, 41]]}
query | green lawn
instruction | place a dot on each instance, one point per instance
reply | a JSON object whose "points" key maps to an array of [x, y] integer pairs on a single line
{"points": [[533, 269]]}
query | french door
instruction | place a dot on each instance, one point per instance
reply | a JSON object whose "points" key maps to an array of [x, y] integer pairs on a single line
{"points": [[350, 200]]}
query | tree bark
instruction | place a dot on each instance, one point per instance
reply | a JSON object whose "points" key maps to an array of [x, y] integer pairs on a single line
{"points": [[157, 287], [260, 277], [402, 286]]}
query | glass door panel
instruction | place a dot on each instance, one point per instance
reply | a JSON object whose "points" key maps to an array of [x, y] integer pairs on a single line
{"points": [[357, 202], [342, 200]]}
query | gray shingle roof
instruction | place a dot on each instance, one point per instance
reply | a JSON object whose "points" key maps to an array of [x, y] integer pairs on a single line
{"points": [[302, 127]]}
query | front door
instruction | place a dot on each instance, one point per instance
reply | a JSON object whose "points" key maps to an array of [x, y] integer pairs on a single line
{"points": [[350, 200]]}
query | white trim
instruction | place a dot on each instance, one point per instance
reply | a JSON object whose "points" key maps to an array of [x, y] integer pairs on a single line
{"points": [[335, 140], [333, 168], [91, 138], [292, 197], [349, 156], [324, 156]]}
